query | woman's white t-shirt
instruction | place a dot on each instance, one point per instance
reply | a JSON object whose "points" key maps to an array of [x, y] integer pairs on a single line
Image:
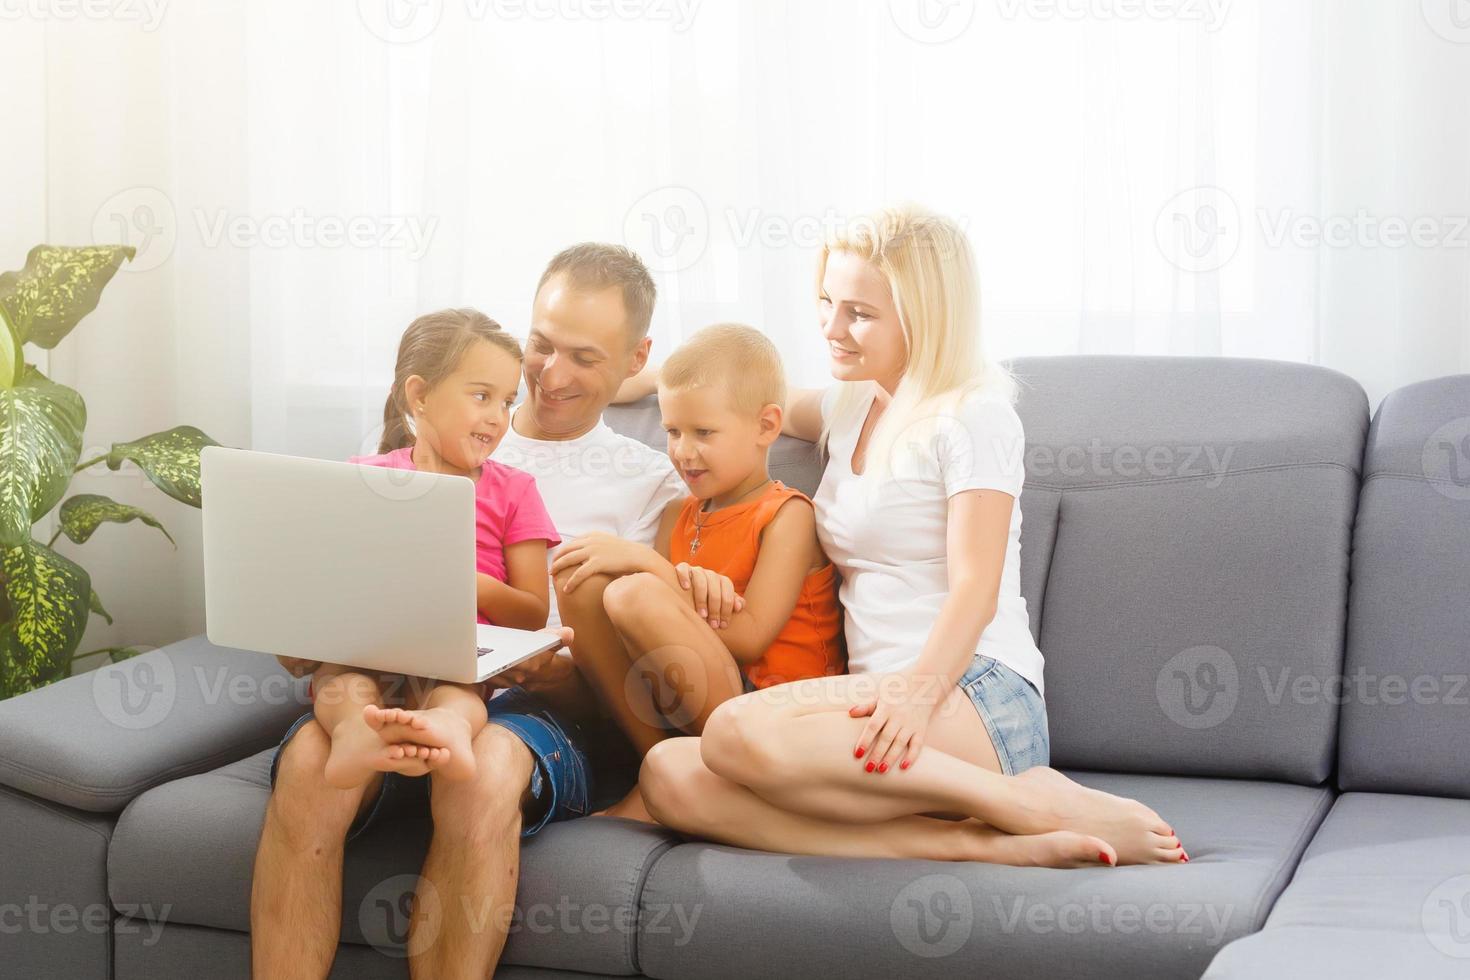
{"points": [[887, 536]]}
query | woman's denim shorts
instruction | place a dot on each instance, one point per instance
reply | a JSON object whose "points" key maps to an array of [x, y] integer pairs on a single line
{"points": [[561, 781], [1013, 711]]}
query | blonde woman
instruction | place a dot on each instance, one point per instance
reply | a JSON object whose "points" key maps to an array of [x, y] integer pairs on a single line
{"points": [[936, 744]]}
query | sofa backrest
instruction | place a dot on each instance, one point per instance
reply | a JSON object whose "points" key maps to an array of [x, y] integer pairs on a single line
{"points": [[1406, 688], [1187, 540], [1186, 526]]}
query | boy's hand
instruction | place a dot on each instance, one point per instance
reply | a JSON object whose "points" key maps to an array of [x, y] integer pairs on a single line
{"points": [[598, 553], [715, 598], [297, 667]]}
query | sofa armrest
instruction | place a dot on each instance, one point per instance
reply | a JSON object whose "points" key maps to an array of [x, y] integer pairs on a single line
{"points": [[97, 740]]}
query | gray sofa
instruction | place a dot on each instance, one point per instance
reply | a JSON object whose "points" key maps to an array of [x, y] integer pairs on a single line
{"points": [[1255, 610]]}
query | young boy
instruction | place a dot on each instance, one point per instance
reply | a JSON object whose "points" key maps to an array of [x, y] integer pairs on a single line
{"points": [[736, 593]]}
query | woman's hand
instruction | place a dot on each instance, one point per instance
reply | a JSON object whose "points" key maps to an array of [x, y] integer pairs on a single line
{"points": [[714, 595], [898, 716], [599, 553], [297, 667]]}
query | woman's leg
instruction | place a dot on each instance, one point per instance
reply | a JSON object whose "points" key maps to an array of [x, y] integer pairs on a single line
{"points": [[792, 745], [682, 793]]}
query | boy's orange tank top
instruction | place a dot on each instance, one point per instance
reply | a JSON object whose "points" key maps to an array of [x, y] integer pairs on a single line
{"points": [[810, 644]]}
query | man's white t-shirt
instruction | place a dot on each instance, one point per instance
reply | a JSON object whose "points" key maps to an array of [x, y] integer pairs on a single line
{"points": [[601, 481], [887, 536]]}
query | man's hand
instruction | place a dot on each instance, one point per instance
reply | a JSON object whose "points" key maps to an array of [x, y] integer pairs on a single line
{"points": [[542, 672], [297, 667], [599, 553]]}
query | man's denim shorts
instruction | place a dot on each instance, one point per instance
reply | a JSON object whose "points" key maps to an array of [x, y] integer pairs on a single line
{"points": [[1013, 711], [561, 783]]}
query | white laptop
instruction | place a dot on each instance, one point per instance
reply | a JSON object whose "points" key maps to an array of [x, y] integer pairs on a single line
{"points": [[349, 564]]}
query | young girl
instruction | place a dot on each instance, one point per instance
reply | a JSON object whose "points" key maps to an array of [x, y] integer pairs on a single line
{"points": [[456, 378]]}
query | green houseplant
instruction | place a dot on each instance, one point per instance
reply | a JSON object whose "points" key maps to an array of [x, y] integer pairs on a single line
{"points": [[45, 598]]}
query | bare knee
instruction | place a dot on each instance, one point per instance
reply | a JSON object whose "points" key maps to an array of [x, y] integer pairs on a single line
{"points": [[489, 804], [632, 597], [675, 785], [741, 742], [304, 806], [585, 600]]}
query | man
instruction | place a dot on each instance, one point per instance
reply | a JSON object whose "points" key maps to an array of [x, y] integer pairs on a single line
{"points": [[589, 333]]}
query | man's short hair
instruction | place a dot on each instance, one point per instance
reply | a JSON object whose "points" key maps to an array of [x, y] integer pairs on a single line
{"points": [[739, 360], [593, 266]]}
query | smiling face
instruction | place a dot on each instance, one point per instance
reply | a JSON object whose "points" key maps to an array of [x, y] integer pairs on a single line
{"points": [[577, 355], [713, 447], [860, 321], [463, 418]]}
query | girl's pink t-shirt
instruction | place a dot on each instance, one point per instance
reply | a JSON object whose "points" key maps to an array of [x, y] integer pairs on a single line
{"points": [[508, 510]]}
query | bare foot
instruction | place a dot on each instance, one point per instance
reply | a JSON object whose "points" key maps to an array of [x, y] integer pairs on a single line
{"points": [[416, 760], [357, 752], [1058, 849], [431, 728], [630, 807], [1054, 802]]}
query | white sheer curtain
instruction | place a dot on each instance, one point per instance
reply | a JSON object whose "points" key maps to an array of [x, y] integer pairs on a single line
{"points": [[1136, 178], [1285, 179]]}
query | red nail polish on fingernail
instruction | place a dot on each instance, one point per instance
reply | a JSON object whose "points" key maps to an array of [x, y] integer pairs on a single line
{"points": [[904, 764], [883, 767], [857, 753], [870, 767], [1103, 857], [1186, 859]]}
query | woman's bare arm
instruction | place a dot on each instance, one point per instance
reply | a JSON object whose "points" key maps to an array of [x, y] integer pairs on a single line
{"points": [[638, 387]]}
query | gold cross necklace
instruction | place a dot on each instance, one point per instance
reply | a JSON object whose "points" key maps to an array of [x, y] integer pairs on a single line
{"points": [[699, 525]]}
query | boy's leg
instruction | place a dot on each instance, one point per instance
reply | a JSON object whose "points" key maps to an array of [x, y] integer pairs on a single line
{"points": [[438, 727], [678, 667]]}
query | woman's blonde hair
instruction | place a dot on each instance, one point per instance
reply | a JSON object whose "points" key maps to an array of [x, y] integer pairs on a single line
{"points": [[930, 270], [431, 348]]}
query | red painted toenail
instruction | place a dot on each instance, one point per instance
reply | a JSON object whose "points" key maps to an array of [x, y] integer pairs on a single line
{"points": [[904, 764], [883, 767], [858, 752], [870, 767], [1103, 857]]}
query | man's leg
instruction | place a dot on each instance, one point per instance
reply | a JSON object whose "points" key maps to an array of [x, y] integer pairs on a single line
{"points": [[296, 895], [473, 864]]}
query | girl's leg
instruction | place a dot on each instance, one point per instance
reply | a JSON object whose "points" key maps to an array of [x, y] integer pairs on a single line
{"points": [[341, 696], [437, 727], [681, 792], [792, 745], [678, 668]]}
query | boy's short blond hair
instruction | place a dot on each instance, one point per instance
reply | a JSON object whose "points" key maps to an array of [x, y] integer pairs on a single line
{"points": [[739, 360]]}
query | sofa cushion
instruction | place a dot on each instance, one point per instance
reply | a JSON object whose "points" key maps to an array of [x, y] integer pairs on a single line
{"points": [[1383, 890], [1406, 689], [1199, 560], [189, 846], [758, 914]]}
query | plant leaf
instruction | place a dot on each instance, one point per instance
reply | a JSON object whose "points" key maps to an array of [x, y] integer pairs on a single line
{"points": [[48, 596], [11, 358], [170, 459], [84, 512], [59, 285], [95, 604], [41, 426]]}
